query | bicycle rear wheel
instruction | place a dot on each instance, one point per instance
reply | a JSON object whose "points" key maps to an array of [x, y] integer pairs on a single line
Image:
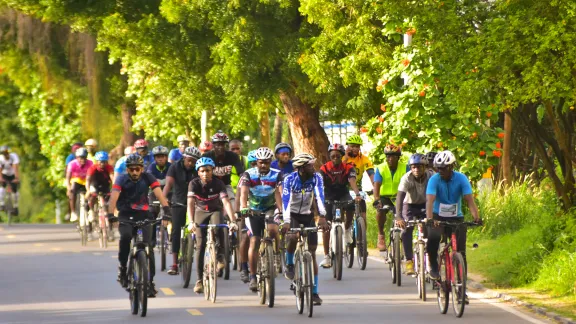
{"points": [[349, 253], [458, 284], [298, 283], [337, 257], [270, 278], [186, 259], [422, 270], [226, 245], [163, 238], [443, 284], [361, 245], [397, 258], [308, 284], [142, 284], [132, 287]]}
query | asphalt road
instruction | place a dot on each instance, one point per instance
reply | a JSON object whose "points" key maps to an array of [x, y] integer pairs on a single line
{"points": [[47, 277]]}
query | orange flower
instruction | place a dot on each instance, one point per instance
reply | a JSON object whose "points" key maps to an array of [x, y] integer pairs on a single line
{"points": [[379, 88], [363, 129], [380, 119], [405, 62], [379, 130], [497, 153], [474, 135], [385, 82], [488, 114], [482, 153], [411, 31], [501, 135], [422, 93], [383, 107], [439, 144], [498, 145]]}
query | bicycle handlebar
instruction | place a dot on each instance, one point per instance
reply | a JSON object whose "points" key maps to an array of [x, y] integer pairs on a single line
{"points": [[303, 229], [456, 224], [141, 223], [214, 225]]}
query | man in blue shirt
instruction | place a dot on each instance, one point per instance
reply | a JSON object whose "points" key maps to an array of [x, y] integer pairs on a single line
{"points": [[72, 156], [159, 169], [444, 195], [120, 166], [176, 154], [283, 153]]}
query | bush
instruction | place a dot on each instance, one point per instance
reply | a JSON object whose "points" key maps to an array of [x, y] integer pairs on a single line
{"points": [[557, 273]]}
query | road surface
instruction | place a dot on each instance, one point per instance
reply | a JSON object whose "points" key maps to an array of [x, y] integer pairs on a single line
{"points": [[47, 277]]}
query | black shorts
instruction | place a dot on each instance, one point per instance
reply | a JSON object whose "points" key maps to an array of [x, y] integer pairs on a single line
{"points": [[78, 188], [257, 224], [414, 211], [330, 206], [97, 188], [8, 180], [308, 221], [388, 201]]}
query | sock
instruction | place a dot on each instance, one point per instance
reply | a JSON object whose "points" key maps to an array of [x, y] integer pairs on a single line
{"points": [[289, 258], [315, 290], [245, 266], [252, 276]]}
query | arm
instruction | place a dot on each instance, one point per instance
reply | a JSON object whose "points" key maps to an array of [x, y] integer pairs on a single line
{"points": [[68, 176], [237, 199], [191, 209], [399, 204], [88, 178], [377, 184], [158, 193], [113, 200], [228, 209], [371, 174], [430, 206], [168, 186], [352, 182], [278, 197], [244, 192], [16, 171], [472, 206]]}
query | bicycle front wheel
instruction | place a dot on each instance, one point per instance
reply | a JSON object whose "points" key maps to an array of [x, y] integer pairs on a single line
{"points": [[132, 287], [299, 282], [226, 248], [443, 291], [361, 245], [213, 274], [142, 282], [207, 271], [337, 257], [308, 284], [458, 284], [422, 271], [270, 277], [163, 238]]}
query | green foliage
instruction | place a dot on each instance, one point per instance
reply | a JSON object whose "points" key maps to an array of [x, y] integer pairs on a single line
{"points": [[557, 273]]}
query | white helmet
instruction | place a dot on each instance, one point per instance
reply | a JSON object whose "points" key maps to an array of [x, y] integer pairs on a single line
{"points": [[264, 153], [193, 152], [91, 142], [444, 158], [303, 159], [182, 138]]}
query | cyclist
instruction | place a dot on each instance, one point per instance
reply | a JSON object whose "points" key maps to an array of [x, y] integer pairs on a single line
{"points": [[236, 147], [444, 195], [283, 153], [91, 145], [9, 175], [159, 169], [261, 189], [120, 166], [361, 163], [76, 179], [176, 154], [71, 157], [243, 236], [386, 181], [130, 195], [98, 180], [206, 146], [430, 157], [411, 202], [178, 177], [141, 147], [300, 190], [338, 178], [207, 195]]}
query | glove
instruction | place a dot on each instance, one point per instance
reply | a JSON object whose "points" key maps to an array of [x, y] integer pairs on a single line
{"points": [[111, 218], [244, 211], [376, 203], [233, 227], [167, 213]]}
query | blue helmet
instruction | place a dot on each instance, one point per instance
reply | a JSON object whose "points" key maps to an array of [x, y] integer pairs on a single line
{"points": [[252, 156], [101, 156], [204, 162], [418, 158]]}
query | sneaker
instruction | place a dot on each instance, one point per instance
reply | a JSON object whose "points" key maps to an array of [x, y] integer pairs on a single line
{"points": [[152, 292], [381, 243], [73, 217], [199, 287], [466, 300], [327, 262], [245, 276], [409, 267], [316, 300], [253, 285], [289, 272], [434, 274], [348, 236], [220, 264], [122, 277], [173, 270]]}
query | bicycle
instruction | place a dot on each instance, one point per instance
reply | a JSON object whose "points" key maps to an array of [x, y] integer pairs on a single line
{"points": [[358, 237], [266, 267], [138, 267], [9, 203], [303, 283], [83, 223], [421, 266], [162, 237], [210, 261], [186, 257], [102, 226], [395, 254], [453, 272], [337, 237]]}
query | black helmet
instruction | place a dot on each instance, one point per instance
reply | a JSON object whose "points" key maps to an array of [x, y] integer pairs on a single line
{"points": [[160, 150], [134, 159]]}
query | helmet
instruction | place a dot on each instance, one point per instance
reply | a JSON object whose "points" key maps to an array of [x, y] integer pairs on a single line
{"points": [[160, 150], [91, 142], [354, 139], [76, 146], [4, 148], [141, 143], [101, 156], [134, 159], [204, 162], [252, 156], [192, 152], [264, 153], [444, 158], [336, 147], [281, 146], [82, 152], [303, 159], [392, 149], [206, 146], [220, 137], [430, 157], [182, 138], [418, 158], [129, 150]]}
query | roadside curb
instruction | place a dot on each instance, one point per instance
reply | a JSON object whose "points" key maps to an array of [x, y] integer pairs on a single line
{"points": [[540, 310]]}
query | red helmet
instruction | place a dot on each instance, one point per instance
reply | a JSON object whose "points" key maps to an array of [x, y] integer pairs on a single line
{"points": [[206, 146], [336, 147], [220, 137], [141, 143]]}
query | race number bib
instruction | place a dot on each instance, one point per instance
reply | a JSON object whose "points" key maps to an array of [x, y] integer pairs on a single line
{"points": [[446, 210]]}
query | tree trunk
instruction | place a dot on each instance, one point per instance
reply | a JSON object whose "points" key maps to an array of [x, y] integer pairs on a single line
{"points": [[277, 127], [304, 122], [264, 129], [506, 169], [127, 110]]}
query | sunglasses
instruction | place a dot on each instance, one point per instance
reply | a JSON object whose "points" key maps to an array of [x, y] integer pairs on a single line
{"points": [[134, 169], [235, 149], [442, 168]]}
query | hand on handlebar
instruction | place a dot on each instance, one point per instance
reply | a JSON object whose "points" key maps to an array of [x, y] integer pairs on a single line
{"points": [[377, 204], [233, 226], [111, 218], [285, 227], [323, 224], [401, 223], [192, 227]]}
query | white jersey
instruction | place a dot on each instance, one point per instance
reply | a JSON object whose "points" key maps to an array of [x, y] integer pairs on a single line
{"points": [[7, 163]]}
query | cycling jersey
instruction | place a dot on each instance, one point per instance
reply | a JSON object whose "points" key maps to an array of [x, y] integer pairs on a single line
{"points": [[208, 196], [298, 196], [287, 169], [415, 189], [262, 188], [100, 176], [390, 179], [91, 157], [160, 175], [78, 172], [182, 178], [448, 202], [362, 164], [223, 169], [7, 163], [336, 179], [175, 155], [134, 195]]}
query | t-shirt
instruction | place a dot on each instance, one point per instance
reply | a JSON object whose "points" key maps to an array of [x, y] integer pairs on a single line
{"points": [[78, 172], [134, 195], [378, 176], [223, 169], [174, 155], [262, 188], [160, 175], [7, 163], [208, 196], [100, 176], [448, 202], [298, 196], [120, 166], [182, 177], [415, 189], [362, 164], [336, 179], [287, 169]]}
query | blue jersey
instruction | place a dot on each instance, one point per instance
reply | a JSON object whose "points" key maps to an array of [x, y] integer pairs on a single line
{"points": [[70, 158], [174, 155], [287, 169], [448, 202], [160, 175], [298, 196], [134, 195], [262, 188]]}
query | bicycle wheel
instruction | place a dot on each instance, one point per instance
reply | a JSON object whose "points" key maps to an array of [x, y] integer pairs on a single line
{"points": [[443, 289], [391, 257], [213, 273], [132, 287], [233, 251], [422, 270], [337, 257], [349, 253], [226, 246], [308, 284], [9, 208], [397, 258], [261, 275], [163, 238], [361, 245], [458, 284], [84, 233], [270, 277], [298, 283], [282, 251]]}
